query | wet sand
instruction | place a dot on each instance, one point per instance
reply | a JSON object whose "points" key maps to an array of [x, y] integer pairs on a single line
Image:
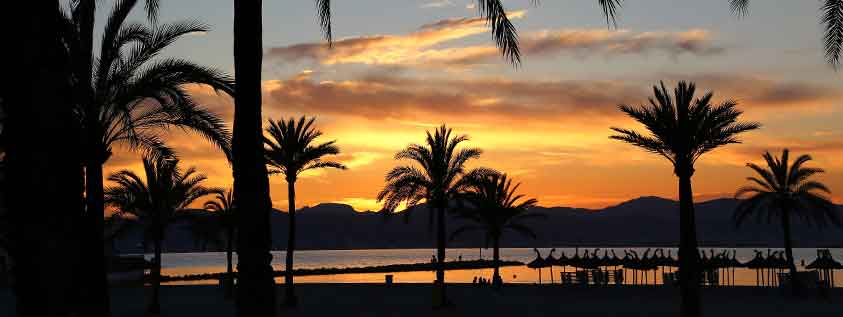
{"points": [[513, 300]]}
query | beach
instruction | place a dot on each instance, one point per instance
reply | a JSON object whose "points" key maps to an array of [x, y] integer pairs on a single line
{"points": [[513, 300]]}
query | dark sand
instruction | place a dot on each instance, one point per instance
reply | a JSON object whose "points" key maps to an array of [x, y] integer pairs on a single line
{"points": [[514, 300]]}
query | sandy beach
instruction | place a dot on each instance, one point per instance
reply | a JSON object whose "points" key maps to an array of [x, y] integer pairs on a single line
{"points": [[514, 300]]}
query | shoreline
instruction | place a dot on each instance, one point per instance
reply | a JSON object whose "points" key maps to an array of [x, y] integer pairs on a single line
{"points": [[393, 268], [582, 246]]}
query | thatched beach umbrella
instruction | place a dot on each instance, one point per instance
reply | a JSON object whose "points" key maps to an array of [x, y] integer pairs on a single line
{"points": [[537, 263], [826, 264], [757, 264], [562, 261], [631, 262], [549, 261], [733, 264]]}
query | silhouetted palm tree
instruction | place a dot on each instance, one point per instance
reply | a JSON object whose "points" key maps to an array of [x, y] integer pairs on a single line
{"points": [[494, 206], [785, 191], [250, 177], [290, 150], [682, 129], [129, 95], [831, 18], [440, 176], [155, 202], [223, 209], [37, 101]]}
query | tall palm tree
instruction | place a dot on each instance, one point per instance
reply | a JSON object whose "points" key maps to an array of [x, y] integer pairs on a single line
{"points": [[223, 209], [494, 206], [785, 190], [438, 179], [36, 102], [831, 18], [129, 95], [290, 150], [682, 129], [250, 177], [156, 201]]}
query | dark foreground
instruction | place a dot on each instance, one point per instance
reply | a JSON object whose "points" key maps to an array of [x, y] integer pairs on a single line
{"points": [[515, 300]]}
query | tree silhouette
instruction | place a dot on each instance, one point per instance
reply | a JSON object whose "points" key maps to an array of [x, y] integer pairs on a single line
{"points": [[493, 204], [224, 213], [831, 18], [785, 190], [129, 95], [289, 152], [439, 178], [250, 176], [37, 107], [682, 129], [156, 202]]}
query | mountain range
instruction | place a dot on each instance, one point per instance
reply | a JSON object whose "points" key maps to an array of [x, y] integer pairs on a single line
{"points": [[644, 221]]}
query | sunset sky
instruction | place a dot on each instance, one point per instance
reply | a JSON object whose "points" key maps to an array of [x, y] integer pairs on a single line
{"points": [[398, 68]]}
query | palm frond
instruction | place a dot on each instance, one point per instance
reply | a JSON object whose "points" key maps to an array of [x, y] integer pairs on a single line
{"points": [[832, 20], [739, 7], [610, 9], [503, 31], [323, 8]]}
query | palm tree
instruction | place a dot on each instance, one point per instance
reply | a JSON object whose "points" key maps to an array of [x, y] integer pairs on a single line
{"points": [[47, 228], [785, 191], [831, 18], [439, 178], [225, 216], [250, 177], [289, 152], [682, 129], [495, 207], [129, 95], [155, 202]]}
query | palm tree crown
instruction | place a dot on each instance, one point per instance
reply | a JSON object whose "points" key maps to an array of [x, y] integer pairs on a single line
{"points": [[786, 187], [222, 205], [440, 176], [683, 129], [133, 94], [157, 200], [290, 149], [494, 206]]}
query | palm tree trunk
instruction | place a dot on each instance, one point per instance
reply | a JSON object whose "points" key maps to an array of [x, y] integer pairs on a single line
{"points": [[440, 255], [290, 299], [97, 301], [229, 249], [98, 298], [42, 183], [256, 287], [155, 305], [496, 263], [788, 250], [689, 256]]}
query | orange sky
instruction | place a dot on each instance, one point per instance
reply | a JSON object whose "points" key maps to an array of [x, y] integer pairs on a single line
{"points": [[546, 123]]}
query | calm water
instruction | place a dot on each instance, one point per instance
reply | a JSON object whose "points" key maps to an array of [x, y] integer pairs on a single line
{"points": [[212, 262]]}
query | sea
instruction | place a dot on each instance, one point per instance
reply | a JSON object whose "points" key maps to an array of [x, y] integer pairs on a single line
{"points": [[174, 264]]}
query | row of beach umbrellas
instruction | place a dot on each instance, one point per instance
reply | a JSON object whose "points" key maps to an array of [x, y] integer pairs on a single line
{"points": [[766, 266]]}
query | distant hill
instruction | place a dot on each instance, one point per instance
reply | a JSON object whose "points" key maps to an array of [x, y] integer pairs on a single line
{"points": [[641, 221]]}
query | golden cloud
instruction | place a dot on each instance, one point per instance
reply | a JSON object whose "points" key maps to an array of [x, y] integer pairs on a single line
{"points": [[423, 47]]}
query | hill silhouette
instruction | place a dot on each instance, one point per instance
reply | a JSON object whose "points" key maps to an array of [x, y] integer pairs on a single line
{"points": [[644, 221]]}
